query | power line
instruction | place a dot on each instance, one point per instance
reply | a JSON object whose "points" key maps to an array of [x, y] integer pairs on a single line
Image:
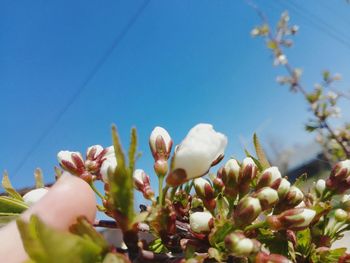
{"points": [[321, 27], [84, 84]]}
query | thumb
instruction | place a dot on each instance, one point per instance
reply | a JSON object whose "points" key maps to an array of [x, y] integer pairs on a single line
{"points": [[69, 198]]}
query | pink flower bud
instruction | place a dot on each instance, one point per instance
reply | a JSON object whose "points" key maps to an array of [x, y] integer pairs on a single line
{"points": [[293, 219], [71, 162], [94, 156], [142, 183], [201, 222], [247, 210], [263, 257], [237, 244], [267, 196], [270, 177], [160, 143]]}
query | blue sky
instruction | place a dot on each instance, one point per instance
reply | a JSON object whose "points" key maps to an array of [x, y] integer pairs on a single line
{"points": [[182, 62]]}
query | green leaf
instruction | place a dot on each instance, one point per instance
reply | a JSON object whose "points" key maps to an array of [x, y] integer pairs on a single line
{"points": [[157, 246], [12, 205], [115, 258], [44, 244], [39, 180], [217, 235], [256, 161], [260, 152], [330, 256], [84, 229], [132, 149], [304, 240], [6, 218], [121, 195], [6, 184]]}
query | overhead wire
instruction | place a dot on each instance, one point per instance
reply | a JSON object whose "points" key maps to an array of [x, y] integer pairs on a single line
{"points": [[92, 73]]}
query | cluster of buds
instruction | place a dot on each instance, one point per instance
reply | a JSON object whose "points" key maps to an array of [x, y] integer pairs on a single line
{"points": [[235, 179], [98, 162], [142, 184], [339, 180], [239, 245], [292, 219]]}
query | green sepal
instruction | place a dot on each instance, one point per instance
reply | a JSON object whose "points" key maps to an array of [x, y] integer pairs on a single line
{"points": [[6, 184], [221, 229], [328, 256], [260, 153], [45, 244], [6, 218], [39, 178]]}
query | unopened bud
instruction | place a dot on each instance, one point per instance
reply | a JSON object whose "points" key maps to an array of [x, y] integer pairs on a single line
{"points": [[345, 202], [320, 187], [34, 196], [247, 210], [341, 215], [267, 196], [108, 165], [270, 177], [293, 219], [206, 192], [160, 143], [237, 244], [283, 188], [71, 162], [142, 183], [248, 170], [339, 180], [201, 222], [263, 257], [294, 196], [94, 156], [161, 167], [230, 176]]}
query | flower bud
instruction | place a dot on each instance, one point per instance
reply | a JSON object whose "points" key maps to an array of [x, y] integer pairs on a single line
{"points": [[341, 170], [94, 156], [320, 187], [142, 183], [341, 215], [201, 222], [230, 177], [93, 152], [34, 196], [263, 257], [206, 192], [161, 167], [293, 219], [71, 162], [202, 148], [345, 202], [294, 196], [237, 244], [160, 143], [247, 210], [267, 196], [109, 164], [248, 170], [339, 180], [283, 188], [270, 177]]}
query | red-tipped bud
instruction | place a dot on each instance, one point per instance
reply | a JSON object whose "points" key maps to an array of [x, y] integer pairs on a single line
{"points": [[201, 222], [267, 196], [206, 192], [237, 244], [270, 177], [293, 219], [294, 196], [160, 143], [71, 162], [339, 180], [247, 210], [248, 170], [283, 188], [142, 183], [263, 257]]}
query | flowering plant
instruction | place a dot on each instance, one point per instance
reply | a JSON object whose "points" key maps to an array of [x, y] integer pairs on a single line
{"points": [[245, 212]]}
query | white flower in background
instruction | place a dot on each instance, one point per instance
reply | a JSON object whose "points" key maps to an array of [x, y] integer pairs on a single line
{"points": [[202, 148], [200, 221], [71, 161], [160, 143], [34, 196]]}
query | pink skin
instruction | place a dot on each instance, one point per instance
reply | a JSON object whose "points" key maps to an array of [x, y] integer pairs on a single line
{"points": [[69, 198]]}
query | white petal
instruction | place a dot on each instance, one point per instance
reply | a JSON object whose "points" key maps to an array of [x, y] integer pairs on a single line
{"points": [[108, 164], [67, 156], [199, 221]]}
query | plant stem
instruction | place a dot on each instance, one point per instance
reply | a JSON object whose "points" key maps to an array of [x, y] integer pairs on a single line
{"points": [[160, 188], [256, 225], [96, 191]]}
